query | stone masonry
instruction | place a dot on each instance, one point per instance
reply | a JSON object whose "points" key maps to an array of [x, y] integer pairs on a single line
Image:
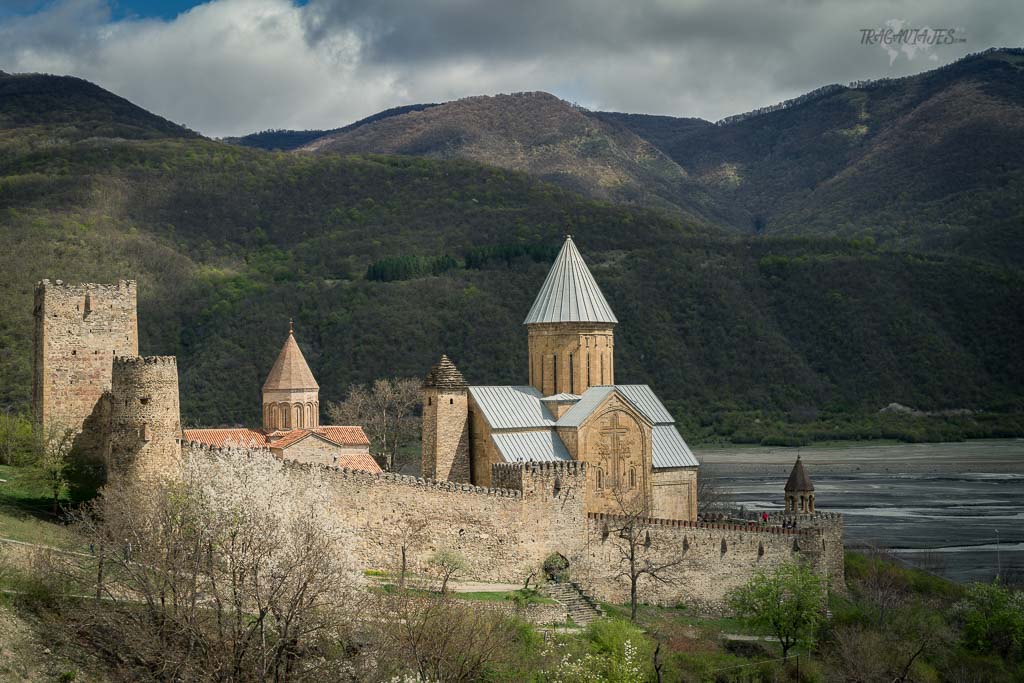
{"points": [[446, 424], [144, 433], [79, 330]]}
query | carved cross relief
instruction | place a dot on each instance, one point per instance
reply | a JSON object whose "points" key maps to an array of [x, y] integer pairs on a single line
{"points": [[613, 449]]}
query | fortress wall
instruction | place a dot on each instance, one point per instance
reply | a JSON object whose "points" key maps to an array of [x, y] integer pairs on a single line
{"points": [[503, 533], [716, 558], [79, 330]]}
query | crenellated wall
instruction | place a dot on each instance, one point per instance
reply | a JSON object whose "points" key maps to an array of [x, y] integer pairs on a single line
{"points": [[712, 558], [535, 509]]}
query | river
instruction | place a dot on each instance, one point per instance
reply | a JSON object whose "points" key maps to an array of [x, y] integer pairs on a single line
{"points": [[953, 508]]}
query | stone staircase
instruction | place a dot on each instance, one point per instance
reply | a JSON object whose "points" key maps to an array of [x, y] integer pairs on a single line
{"points": [[578, 606]]}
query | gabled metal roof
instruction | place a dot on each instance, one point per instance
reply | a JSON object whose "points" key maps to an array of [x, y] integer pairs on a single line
{"points": [[563, 397], [533, 446], [569, 293], [506, 407], [669, 449], [647, 402], [589, 401]]}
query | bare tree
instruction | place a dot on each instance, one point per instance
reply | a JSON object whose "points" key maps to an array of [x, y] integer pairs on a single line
{"points": [[638, 557], [410, 535], [234, 573], [437, 639], [711, 497], [386, 410]]}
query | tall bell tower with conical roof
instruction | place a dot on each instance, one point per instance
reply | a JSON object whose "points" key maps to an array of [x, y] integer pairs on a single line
{"points": [[291, 396], [570, 327]]}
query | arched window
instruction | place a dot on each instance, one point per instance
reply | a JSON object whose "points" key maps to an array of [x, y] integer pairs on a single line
{"points": [[297, 415], [632, 477], [588, 366], [284, 416], [572, 376], [555, 363], [600, 478]]}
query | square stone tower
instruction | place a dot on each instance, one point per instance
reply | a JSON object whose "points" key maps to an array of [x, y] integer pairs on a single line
{"points": [[446, 424], [79, 330]]}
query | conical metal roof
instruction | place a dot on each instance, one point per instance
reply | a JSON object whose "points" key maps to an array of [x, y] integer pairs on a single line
{"points": [[569, 294], [798, 479], [290, 372]]}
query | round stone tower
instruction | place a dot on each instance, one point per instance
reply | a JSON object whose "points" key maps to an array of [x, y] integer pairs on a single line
{"points": [[570, 329], [144, 438], [291, 396]]}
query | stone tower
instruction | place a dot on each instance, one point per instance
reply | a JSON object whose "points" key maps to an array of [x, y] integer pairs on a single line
{"points": [[144, 434], [799, 490], [446, 423], [570, 329], [79, 330], [291, 396]]}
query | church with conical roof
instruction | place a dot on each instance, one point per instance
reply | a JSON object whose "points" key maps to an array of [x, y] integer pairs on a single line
{"points": [[571, 410], [291, 420]]}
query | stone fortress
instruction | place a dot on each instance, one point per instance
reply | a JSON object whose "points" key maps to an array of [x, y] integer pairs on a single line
{"points": [[511, 474]]}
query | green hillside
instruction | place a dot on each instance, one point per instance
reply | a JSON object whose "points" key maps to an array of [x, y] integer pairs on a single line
{"points": [[229, 242]]}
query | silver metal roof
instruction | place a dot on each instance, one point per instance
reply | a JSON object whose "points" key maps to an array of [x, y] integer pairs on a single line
{"points": [[508, 407], [533, 446], [590, 399], [564, 397], [647, 402], [669, 449], [569, 293]]}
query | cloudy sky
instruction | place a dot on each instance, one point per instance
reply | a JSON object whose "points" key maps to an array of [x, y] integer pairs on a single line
{"points": [[228, 67]]}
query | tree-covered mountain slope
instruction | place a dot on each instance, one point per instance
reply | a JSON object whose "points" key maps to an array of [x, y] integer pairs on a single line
{"points": [[935, 160], [228, 243], [544, 136]]}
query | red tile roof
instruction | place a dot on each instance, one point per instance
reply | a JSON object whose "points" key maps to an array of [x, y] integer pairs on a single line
{"points": [[345, 436], [246, 438], [282, 439]]}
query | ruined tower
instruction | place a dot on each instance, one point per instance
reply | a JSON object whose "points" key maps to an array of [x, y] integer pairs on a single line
{"points": [[144, 436], [79, 330], [445, 423], [570, 329], [799, 490], [291, 396]]}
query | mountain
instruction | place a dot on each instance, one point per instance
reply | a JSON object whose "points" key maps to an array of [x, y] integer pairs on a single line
{"points": [[385, 262], [936, 159], [544, 136], [76, 109], [286, 140]]}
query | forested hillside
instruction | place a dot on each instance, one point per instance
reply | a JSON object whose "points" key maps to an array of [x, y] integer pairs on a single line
{"points": [[934, 160], [228, 243]]}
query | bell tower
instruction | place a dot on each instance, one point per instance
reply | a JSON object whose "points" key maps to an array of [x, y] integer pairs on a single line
{"points": [[570, 329], [799, 490], [291, 396]]}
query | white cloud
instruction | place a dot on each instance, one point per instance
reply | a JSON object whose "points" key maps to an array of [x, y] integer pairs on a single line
{"points": [[234, 66]]}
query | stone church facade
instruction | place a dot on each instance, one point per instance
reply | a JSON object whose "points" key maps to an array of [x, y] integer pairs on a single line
{"points": [[572, 410]]}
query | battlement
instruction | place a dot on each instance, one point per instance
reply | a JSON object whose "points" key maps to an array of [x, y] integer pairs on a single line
{"points": [[750, 527], [129, 362], [362, 476], [555, 479], [119, 286]]}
